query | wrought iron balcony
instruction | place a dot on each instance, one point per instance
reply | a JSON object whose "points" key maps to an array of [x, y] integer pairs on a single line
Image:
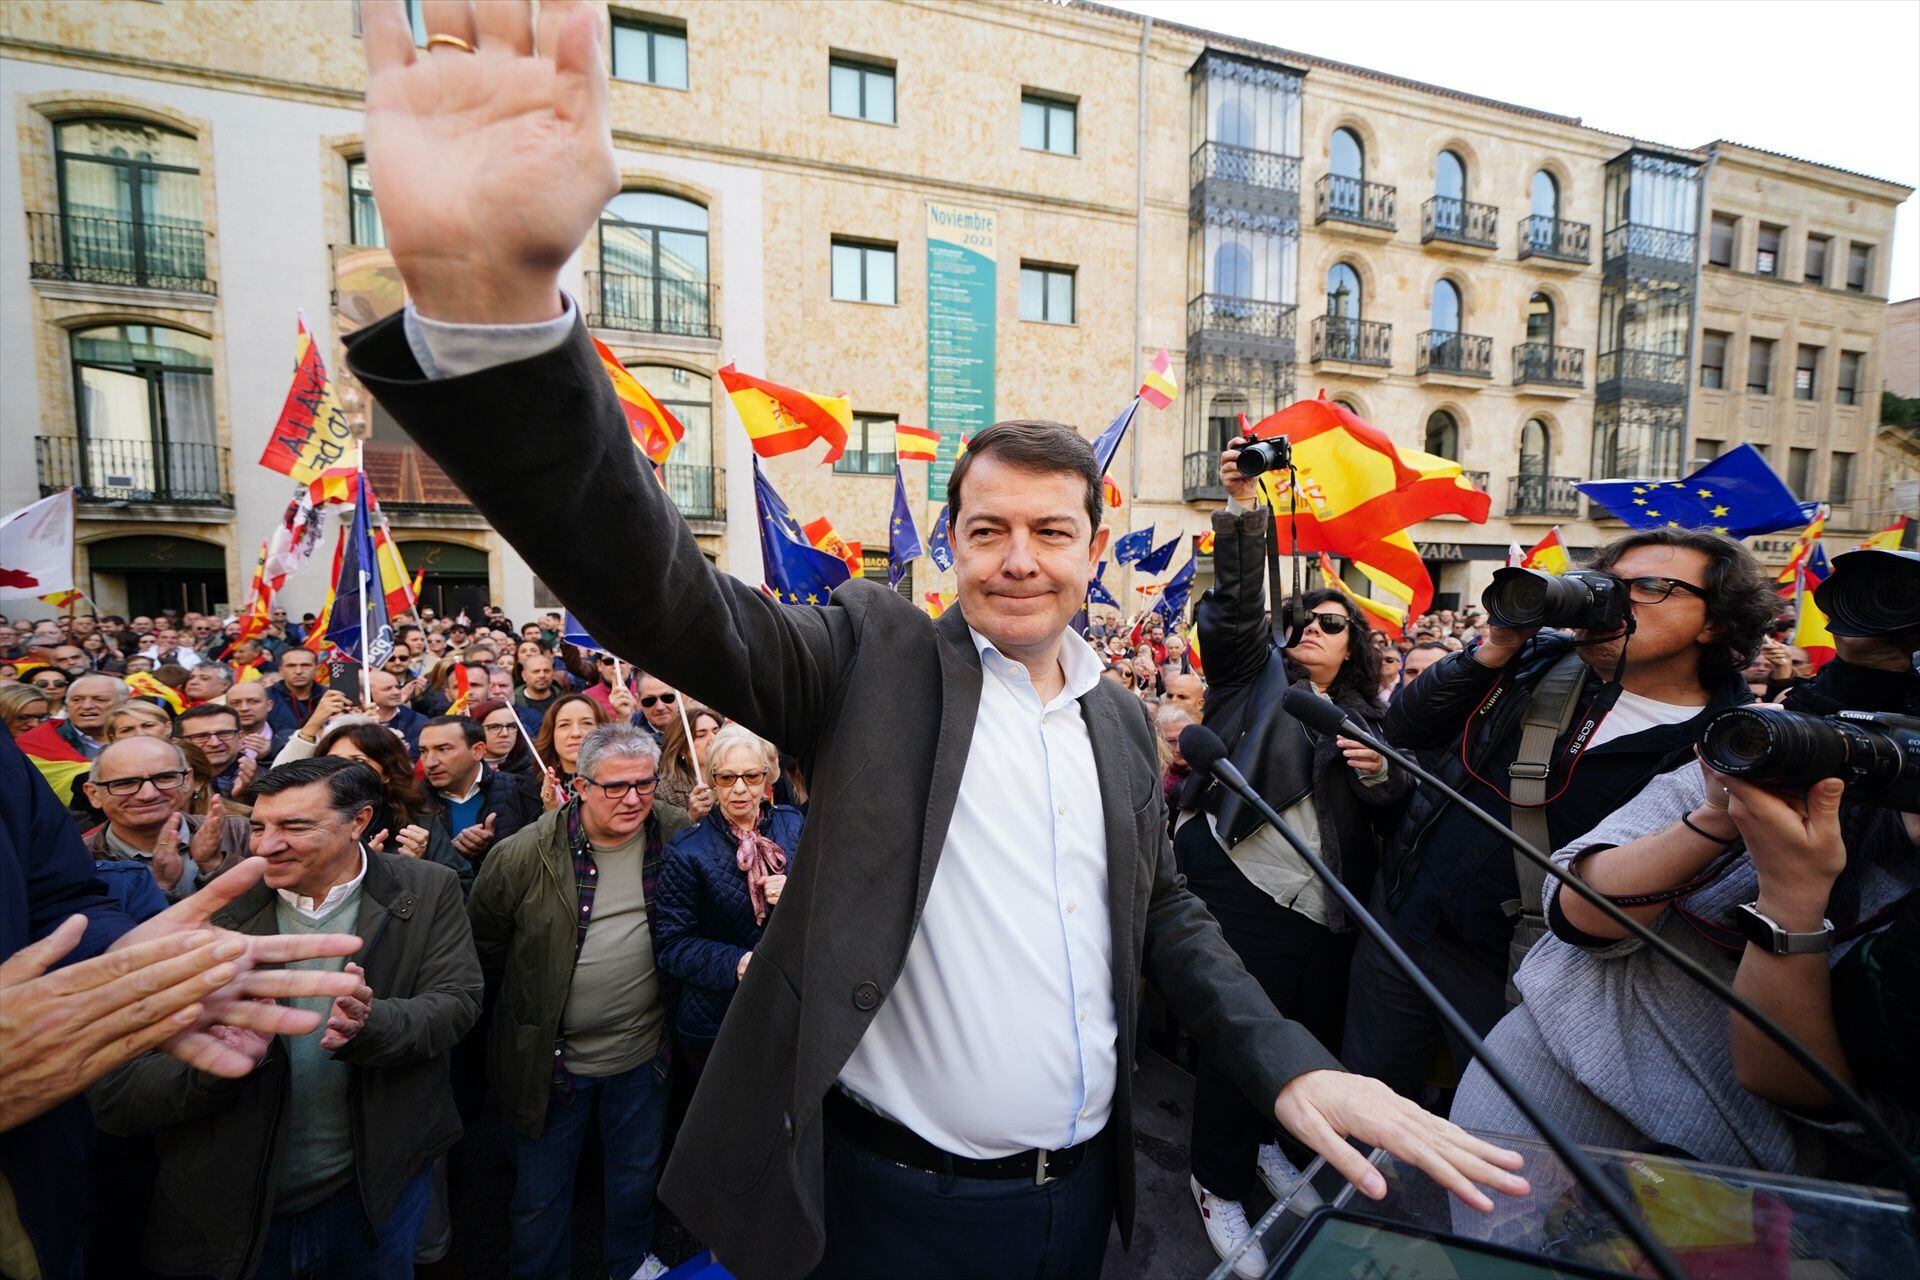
{"points": [[409, 482], [699, 492], [109, 470], [652, 304], [1459, 222], [1244, 317], [1352, 341], [108, 251], [1538, 495], [1245, 166], [1548, 365], [1647, 375], [1364, 204], [1478, 479], [1542, 237], [1200, 476], [1635, 241], [1470, 355]]}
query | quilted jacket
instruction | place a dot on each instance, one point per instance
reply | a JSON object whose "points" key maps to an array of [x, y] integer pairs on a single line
{"points": [[703, 917]]}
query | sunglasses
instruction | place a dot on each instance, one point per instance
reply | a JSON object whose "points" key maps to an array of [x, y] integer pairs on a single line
{"points": [[1330, 623], [754, 778], [652, 698]]}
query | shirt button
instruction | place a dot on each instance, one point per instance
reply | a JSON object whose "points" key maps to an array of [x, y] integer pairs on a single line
{"points": [[1070, 908], [1061, 810], [1083, 1015]]}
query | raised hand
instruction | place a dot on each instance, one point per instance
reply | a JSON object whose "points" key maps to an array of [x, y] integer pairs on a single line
{"points": [[169, 855], [490, 167], [476, 839], [349, 1012], [205, 847], [412, 842], [699, 803], [244, 773]]}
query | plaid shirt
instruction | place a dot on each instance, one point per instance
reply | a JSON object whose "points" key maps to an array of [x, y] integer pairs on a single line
{"points": [[586, 880]]}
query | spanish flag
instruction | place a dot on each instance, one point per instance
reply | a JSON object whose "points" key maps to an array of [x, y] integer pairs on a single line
{"points": [[312, 434], [1204, 543], [335, 484], [654, 429], [938, 602], [1380, 616], [1787, 581], [781, 420], [915, 444], [1810, 630], [822, 536], [1160, 388], [146, 685], [1111, 491], [1549, 555], [58, 760], [1888, 539], [462, 691], [419, 582]]}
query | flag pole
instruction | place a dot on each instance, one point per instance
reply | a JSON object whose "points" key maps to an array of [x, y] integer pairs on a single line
{"points": [[360, 500], [686, 727]]}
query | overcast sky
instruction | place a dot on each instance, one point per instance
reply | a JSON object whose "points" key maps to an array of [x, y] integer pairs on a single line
{"points": [[1832, 81]]}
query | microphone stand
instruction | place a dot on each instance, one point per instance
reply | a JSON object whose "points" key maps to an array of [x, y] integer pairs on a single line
{"points": [[1608, 1194], [1844, 1093]]}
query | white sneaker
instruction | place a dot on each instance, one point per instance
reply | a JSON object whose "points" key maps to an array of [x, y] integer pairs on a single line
{"points": [[1277, 1171], [651, 1269], [1227, 1230]]}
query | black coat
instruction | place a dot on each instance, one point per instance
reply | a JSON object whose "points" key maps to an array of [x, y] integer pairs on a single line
{"points": [[878, 704]]}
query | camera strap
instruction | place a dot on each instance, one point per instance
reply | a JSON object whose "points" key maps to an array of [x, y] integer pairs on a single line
{"points": [[1555, 699]]}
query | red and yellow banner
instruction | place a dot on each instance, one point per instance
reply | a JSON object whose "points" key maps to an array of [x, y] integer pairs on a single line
{"points": [[1160, 387], [312, 433], [654, 429], [1888, 539], [824, 537], [1549, 555], [1380, 615], [781, 420], [915, 444]]}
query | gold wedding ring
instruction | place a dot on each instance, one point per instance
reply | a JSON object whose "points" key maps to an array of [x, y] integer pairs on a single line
{"points": [[452, 42]]}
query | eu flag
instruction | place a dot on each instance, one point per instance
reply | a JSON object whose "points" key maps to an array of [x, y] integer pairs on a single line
{"points": [[1108, 442], [939, 549], [1173, 597], [1097, 592], [1130, 547], [353, 594], [1736, 494], [903, 540], [1160, 557], [796, 573]]}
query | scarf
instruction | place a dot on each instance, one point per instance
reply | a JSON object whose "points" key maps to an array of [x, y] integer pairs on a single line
{"points": [[759, 857]]}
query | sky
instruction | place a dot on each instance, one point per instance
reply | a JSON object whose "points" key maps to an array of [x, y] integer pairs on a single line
{"points": [[1833, 81]]}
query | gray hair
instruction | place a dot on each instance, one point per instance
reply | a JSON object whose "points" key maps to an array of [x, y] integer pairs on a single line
{"points": [[220, 669], [1172, 713], [732, 735], [615, 742], [93, 770], [120, 690]]}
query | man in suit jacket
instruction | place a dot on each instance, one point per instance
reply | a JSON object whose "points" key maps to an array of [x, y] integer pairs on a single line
{"points": [[926, 1068]]}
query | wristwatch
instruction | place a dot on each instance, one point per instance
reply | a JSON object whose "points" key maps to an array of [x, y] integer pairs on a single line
{"points": [[1770, 937]]}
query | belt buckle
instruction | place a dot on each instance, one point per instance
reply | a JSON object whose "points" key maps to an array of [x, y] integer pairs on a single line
{"points": [[1040, 1175]]}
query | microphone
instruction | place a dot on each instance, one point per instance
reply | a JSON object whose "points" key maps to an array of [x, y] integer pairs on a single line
{"points": [[1304, 705], [1203, 749]]}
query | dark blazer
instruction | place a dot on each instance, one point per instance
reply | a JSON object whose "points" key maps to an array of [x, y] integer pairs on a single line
{"points": [[878, 705]]}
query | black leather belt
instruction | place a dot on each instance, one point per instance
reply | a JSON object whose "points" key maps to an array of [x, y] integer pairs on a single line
{"points": [[902, 1145]]}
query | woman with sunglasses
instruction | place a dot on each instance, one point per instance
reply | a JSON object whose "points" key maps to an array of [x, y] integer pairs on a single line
{"points": [[1336, 795], [722, 878]]}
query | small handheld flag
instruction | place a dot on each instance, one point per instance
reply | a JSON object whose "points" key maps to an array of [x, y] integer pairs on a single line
{"points": [[781, 420], [939, 546], [1549, 555], [903, 540], [1160, 388], [915, 444], [1173, 598], [654, 429], [1097, 592], [1131, 546], [1159, 558], [312, 434], [796, 572]]}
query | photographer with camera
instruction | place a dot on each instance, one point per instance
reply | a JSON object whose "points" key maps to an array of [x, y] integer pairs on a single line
{"points": [[1789, 842], [1551, 731]]}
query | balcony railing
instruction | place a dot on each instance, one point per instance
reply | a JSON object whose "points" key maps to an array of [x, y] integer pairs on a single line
{"points": [[1478, 479], [652, 304], [1657, 367], [1543, 496], [1542, 237], [699, 492], [1352, 341], [407, 481], [1459, 222], [138, 255], [110, 470], [1224, 162], [1444, 351], [1649, 242], [1364, 204], [1548, 365], [1201, 478], [1246, 317]]}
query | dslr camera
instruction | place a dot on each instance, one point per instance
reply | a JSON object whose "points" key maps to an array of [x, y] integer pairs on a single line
{"points": [[1872, 593], [1585, 599], [1261, 456], [1876, 754]]}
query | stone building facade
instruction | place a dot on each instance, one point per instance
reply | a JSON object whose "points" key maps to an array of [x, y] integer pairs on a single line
{"points": [[1501, 285]]}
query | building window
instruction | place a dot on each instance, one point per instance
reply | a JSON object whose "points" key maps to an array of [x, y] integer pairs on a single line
{"points": [[1540, 319], [1443, 435], [1450, 176], [363, 215], [648, 52], [1846, 388], [1347, 156], [145, 402], [1046, 293], [1815, 271], [1839, 479], [692, 482], [860, 90], [863, 272], [1720, 240], [870, 446], [1443, 314], [129, 202], [1535, 448], [1545, 202], [1806, 373], [1859, 266], [1766, 253], [1345, 297], [1049, 124], [1706, 450], [653, 265], [1713, 359], [1799, 471], [1759, 366]]}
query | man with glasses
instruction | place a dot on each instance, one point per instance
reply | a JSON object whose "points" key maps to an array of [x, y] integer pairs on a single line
{"points": [[216, 731], [659, 704], [478, 806], [1700, 607], [580, 1035], [142, 784]]}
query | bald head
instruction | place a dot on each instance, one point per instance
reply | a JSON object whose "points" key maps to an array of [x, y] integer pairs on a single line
{"points": [[136, 754], [1187, 691]]}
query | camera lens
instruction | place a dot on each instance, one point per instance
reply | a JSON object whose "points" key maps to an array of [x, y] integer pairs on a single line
{"points": [[1775, 746], [1261, 457], [1530, 598], [1875, 595]]}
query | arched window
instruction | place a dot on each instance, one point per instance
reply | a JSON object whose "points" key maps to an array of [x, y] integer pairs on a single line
{"points": [[130, 204], [1546, 195], [692, 481], [1233, 270], [1348, 157], [145, 407], [1232, 122], [1535, 448], [1540, 319], [1345, 297], [1443, 316], [653, 265], [1450, 176], [1443, 435]]}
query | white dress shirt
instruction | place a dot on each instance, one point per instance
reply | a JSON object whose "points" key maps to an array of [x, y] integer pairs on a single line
{"points": [[1000, 1034], [314, 910]]}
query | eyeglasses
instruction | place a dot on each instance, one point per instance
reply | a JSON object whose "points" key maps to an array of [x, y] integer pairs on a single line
{"points": [[211, 735], [619, 790], [1330, 623], [652, 698], [1654, 590], [169, 780], [728, 781]]}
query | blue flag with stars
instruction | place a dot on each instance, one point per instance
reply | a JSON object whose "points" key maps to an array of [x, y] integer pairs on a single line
{"points": [[1160, 557], [1130, 547], [1173, 597], [1108, 442], [1097, 592], [903, 540], [796, 573], [356, 589], [1737, 494], [939, 549]]}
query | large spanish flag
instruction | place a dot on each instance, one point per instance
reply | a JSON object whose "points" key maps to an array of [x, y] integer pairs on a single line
{"points": [[1380, 616], [915, 444], [58, 761], [654, 429], [781, 420], [312, 433]]}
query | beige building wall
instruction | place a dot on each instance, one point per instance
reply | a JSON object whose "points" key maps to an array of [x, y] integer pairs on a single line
{"points": [[1901, 370]]}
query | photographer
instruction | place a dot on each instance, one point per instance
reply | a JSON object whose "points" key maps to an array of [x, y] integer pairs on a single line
{"points": [[1615, 704]]}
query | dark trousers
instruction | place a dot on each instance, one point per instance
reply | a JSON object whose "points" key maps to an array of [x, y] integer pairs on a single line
{"points": [[885, 1220], [333, 1241], [1392, 1031], [1300, 964]]}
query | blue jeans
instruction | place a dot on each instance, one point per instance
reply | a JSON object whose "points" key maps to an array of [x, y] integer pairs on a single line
{"points": [[632, 1109], [333, 1239]]}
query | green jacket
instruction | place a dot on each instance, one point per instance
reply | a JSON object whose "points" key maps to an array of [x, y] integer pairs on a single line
{"points": [[523, 909]]}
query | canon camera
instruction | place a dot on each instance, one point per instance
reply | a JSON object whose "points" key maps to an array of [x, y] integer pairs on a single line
{"points": [[1877, 754], [1582, 599]]}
